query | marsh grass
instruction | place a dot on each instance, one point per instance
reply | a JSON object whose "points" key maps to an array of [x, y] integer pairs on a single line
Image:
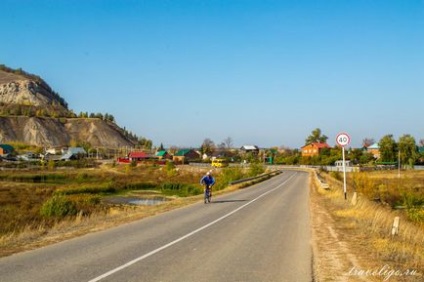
{"points": [[369, 223]]}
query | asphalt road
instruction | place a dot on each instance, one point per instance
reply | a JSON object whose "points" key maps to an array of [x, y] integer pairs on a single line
{"points": [[260, 233]]}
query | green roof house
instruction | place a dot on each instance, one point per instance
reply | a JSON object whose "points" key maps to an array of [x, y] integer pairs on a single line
{"points": [[374, 149], [163, 154], [6, 149], [186, 155]]}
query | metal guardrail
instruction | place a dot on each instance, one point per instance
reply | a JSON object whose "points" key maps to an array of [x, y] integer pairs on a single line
{"points": [[253, 178]]}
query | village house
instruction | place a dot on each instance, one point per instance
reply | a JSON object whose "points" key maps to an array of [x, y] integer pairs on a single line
{"points": [[186, 155], [73, 153], [139, 156], [313, 149], [6, 149], [253, 149], [374, 149], [163, 155]]}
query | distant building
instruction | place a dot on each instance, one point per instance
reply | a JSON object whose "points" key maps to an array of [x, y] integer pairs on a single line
{"points": [[253, 149], [186, 155], [6, 149], [73, 153], [313, 149], [139, 156], [374, 149], [51, 151], [340, 163], [163, 155]]}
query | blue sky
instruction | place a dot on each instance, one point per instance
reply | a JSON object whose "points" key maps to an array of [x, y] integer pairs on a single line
{"points": [[261, 72]]}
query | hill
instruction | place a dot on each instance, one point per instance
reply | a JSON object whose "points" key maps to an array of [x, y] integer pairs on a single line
{"points": [[32, 113]]}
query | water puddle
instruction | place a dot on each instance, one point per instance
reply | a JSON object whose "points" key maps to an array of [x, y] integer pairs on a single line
{"points": [[147, 202]]}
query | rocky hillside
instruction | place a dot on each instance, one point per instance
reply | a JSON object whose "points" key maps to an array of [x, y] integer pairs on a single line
{"points": [[32, 113]]}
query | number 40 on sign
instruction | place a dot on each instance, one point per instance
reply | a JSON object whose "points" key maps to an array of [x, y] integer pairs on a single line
{"points": [[343, 139]]}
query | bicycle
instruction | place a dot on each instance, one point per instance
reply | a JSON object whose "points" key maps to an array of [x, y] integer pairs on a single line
{"points": [[208, 194]]}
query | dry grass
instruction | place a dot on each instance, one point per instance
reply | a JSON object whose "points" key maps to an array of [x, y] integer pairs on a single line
{"points": [[364, 229], [31, 237], [22, 227], [29, 233]]}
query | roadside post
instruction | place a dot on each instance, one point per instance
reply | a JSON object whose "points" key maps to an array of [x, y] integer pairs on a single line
{"points": [[343, 140]]}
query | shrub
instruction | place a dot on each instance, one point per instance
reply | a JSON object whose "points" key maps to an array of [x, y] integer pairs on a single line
{"points": [[228, 175], [256, 169], [170, 169], [415, 214], [58, 206]]}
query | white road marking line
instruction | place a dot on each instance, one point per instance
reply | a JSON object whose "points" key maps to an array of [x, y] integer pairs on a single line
{"points": [[119, 268]]}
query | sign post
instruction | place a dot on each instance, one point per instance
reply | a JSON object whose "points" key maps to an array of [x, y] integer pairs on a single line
{"points": [[343, 140]]}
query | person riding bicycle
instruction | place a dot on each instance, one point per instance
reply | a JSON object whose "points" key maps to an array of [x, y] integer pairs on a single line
{"points": [[208, 181]]}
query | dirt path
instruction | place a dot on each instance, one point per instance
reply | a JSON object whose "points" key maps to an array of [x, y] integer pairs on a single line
{"points": [[333, 258]]}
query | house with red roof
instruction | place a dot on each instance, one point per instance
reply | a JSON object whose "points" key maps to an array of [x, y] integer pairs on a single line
{"points": [[139, 156], [313, 149]]}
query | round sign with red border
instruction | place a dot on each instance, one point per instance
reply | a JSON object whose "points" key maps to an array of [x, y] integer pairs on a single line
{"points": [[343, 139]]}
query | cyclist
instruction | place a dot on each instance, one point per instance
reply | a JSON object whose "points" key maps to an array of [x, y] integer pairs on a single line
{"points": [[208, 181]]}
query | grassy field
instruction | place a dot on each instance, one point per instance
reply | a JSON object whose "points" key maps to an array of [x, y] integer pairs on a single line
{"points": [[37, 204], [404, 190], [367, 224], [29, 199]]}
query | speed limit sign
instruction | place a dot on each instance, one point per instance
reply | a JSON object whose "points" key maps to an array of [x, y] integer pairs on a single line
{"points": [[343, 139]]}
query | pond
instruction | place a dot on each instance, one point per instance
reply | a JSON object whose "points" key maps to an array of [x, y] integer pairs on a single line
{"points": [[139, 201], [147, 202]]}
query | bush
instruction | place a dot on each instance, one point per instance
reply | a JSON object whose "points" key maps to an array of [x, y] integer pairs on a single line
{"points": [[58, 206], [228, 175], [170, 169], [256, 169], [415, 214]]}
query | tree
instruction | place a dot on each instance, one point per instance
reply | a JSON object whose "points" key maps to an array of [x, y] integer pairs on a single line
{"points": [[161, 148], [407, 150], [145, 143], [367, 142], [316, 137], [388, 148], [228, 142], [208, 147]]}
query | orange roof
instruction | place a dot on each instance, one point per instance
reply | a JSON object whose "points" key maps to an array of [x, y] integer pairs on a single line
{"points": [[318, 145]]}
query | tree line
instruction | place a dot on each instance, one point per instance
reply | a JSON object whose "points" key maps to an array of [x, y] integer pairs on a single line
{"points": [[405, 150]]}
